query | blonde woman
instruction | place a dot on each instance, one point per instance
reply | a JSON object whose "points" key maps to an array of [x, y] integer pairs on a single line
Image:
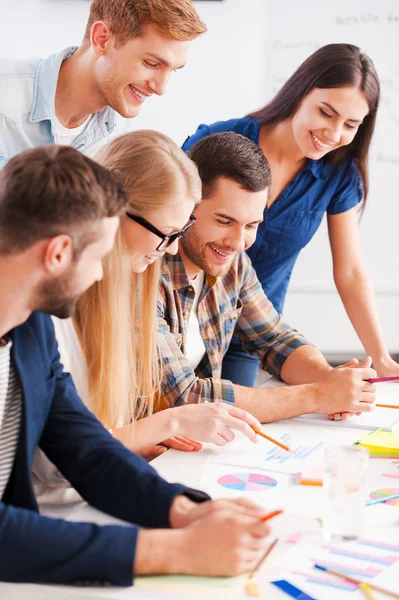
{"points": [[110, 346]]}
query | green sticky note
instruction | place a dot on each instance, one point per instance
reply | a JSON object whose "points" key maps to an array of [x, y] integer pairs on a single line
{"points": [[191, 580]]}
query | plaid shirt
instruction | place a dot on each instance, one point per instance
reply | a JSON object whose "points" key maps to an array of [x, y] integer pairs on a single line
{"points": [[235, 303]]}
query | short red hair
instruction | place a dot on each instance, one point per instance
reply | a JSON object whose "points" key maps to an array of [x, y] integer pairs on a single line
{"points": [[175, 19]]}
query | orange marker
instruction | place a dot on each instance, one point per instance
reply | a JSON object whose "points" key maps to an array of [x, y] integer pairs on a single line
{"points": [[267, 437], [271, 515]]}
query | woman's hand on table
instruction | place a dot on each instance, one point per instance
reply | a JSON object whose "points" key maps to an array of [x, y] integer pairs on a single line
{"points": [[184, 444], [386, 367], [211, 422]]}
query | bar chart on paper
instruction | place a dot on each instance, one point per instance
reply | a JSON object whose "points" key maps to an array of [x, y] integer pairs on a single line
{"points": [[366, 559], [300, 452], [306, 443]]}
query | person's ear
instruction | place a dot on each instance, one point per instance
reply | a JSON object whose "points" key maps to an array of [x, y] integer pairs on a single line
{"points": [[58, 255], [101, 38]]}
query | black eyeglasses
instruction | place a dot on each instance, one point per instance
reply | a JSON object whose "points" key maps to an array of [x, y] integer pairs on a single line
{"points": [[167, 238]]}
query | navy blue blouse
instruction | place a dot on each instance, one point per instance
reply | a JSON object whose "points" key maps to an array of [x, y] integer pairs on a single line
{"points": [[294, 217]]}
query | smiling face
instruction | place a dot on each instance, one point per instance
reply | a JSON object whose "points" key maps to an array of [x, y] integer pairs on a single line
{"points": [[227, 223], [127, 75], [142, 244], [327, 119]]}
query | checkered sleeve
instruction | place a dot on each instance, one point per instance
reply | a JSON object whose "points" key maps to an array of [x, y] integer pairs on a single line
{"points": [[180, 384], [261, 328]]}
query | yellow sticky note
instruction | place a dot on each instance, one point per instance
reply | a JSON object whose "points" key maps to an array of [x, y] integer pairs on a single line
{"points": [[381, 441]]}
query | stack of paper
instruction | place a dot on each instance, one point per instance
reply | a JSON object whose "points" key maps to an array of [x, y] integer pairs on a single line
{"points": [[382, 418]]}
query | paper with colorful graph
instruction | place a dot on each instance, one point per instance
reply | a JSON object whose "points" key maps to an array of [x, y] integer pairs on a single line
{"points": [[368, 559], [306, 442]]}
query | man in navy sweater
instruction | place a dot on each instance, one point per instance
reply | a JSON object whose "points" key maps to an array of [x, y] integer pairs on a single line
{"points": [[59, 212]]}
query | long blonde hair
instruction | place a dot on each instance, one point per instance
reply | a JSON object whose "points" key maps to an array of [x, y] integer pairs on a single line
{"points": [[116, 318]]}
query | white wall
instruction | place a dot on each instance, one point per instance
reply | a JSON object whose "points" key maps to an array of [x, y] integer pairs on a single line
{"points": [[229, 73], [224, 76]]}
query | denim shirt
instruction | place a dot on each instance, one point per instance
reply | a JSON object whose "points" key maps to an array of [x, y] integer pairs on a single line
{"points": [[27, 108]]}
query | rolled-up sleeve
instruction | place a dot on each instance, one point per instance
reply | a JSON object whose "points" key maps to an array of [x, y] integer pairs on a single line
{"points": [[349, 190]]}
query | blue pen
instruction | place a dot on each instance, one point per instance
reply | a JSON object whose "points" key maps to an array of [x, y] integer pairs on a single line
{"points": [[382, 499], [291, 590]]}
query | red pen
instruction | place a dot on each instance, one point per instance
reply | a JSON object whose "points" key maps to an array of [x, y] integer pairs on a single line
{"points": [[382, 379]]}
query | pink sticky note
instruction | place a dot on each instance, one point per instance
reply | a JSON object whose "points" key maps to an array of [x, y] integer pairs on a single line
{"points": [[313, 473], [295, 537]]}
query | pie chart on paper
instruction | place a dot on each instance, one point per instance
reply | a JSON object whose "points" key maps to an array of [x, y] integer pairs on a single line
{"points": [[386, 492], [247, 482]]}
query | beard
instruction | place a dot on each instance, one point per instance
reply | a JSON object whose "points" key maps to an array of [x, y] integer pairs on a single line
{"points": [[197, 252], [56, 298]]}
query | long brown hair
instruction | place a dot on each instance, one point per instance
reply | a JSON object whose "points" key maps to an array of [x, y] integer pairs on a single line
{"points": [[116, 318], [332, 66]]}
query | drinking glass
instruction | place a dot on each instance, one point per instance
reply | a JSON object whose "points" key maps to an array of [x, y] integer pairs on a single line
{"points": [[344, 488]]}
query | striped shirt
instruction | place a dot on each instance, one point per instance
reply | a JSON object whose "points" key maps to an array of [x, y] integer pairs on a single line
{"points": [[234, 303], [10, 415]]}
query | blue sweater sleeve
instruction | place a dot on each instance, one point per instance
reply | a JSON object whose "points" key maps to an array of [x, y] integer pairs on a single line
{"points": [[37, 549], [34, 548]]}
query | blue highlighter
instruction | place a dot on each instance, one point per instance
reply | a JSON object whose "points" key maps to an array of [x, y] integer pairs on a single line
{"points": [[291, 590]]}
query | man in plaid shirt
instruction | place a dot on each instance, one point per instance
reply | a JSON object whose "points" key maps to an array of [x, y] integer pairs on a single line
{"points": [[210, 291]]}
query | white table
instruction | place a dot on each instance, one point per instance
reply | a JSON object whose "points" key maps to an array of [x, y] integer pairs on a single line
{"points": [[186, 468]]}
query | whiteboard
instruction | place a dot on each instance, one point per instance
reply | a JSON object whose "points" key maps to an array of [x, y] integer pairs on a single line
{"points": [[295, 30]]}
